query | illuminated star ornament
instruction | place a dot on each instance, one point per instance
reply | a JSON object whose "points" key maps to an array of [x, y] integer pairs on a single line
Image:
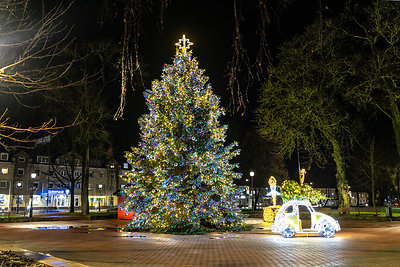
{"points": [[183, 46], [182, 175]]}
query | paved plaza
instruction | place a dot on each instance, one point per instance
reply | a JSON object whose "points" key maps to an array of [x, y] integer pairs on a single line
{"points": [[98, 243]]}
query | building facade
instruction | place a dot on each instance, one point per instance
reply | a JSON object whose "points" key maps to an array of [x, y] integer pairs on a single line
{"points": [[45, 184]]}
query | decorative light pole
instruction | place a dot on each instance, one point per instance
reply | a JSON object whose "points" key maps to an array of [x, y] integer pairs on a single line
{"points": [[19, 185], [111, 185], [251, 191], [33, 176]]}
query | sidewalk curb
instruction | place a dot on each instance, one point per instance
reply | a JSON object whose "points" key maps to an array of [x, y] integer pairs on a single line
{"points": [[43, 258]]}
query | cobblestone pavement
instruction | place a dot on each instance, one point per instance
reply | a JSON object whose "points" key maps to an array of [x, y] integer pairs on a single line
{"points": [[97, 243]]}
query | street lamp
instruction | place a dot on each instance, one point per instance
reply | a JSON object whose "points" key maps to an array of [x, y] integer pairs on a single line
{"points": [[112, 166], [33, 176], [251, 191], [99, 197], [19, 185]]}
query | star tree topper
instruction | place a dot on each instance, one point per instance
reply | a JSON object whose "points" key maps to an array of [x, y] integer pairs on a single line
{"points": [[183, 45]]}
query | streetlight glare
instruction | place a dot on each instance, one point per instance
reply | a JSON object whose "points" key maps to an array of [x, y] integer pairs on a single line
{"points": [[251, 173], [33, 175]]}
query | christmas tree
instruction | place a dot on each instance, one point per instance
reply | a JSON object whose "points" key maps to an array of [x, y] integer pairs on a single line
{"points": [[181, 177]]}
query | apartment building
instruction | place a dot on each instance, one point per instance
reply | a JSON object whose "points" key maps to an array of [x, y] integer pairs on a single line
{"points": [[43, 183]]}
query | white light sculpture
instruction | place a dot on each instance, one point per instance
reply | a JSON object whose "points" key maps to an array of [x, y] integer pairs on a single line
{"points": [[287, 221]]}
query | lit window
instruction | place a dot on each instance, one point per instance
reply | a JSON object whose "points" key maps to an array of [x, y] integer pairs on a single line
{"points": [[4, 156], [126, 166], [43, 159], [21, 159], [2, 199], [50, 185], [20, 199], [20, 171], [36, 200], [3, 184], [4, 170], [77, 185]]}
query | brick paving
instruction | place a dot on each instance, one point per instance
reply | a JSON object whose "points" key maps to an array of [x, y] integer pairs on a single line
{"points": [[97, 243]]}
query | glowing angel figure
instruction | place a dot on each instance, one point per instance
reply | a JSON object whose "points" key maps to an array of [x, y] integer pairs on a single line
{"points": [[273, 193]]}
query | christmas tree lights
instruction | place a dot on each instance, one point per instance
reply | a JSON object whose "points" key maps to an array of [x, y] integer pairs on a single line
{"points": [[181, 177]]}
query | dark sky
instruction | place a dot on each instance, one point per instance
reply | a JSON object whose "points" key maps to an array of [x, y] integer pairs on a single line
{"points": [[209, 24]]}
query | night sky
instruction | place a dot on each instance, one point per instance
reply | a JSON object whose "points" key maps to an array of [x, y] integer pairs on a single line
{"points": [[210, 26]]}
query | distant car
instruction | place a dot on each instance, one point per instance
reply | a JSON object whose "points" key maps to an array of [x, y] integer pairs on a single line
{"points": [[331, 203], [287, 221]]}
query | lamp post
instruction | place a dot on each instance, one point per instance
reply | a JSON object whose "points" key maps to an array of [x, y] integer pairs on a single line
{"points": [[19, 185], [33, 176], [251, 190], [112, 166], [99, 197]]}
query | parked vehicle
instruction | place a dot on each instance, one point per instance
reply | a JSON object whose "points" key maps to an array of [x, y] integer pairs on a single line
{"points": [[288, 221]]}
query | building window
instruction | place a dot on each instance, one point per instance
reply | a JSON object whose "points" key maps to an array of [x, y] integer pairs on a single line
{"points": [[50, 186], [78, 186], [2, 199], [20, 199], [20, 171], [43, 159], [3, 184], [101, 175], [63, 173], [21, 159], [77, 173], [35, 185], [112, 175], [126, 166], [4, 170], [4, 156], [36, 200]]}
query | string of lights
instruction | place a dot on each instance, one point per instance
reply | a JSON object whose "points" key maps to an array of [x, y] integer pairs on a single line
{"points": [[181, 175]]}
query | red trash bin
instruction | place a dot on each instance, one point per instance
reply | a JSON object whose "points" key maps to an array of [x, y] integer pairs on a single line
{"points": [[123, 214]]}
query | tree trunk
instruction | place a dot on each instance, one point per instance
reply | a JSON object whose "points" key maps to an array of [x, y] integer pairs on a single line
{"points": [[395, 118], [372, 169], [72, 184], [72, 194], [358, 198], [85, 182], [342, 183]]}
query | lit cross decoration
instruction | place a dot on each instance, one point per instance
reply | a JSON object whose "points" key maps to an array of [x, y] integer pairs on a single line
{"points": [[183, 45]]}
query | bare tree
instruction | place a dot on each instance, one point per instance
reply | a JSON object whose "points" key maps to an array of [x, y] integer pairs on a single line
{"points": [[31, 40]]}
